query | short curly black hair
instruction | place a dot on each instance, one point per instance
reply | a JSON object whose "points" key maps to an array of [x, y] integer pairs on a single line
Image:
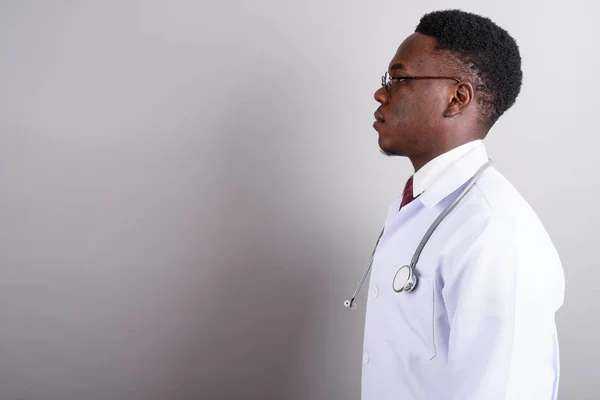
{"points": [[481, 50]]}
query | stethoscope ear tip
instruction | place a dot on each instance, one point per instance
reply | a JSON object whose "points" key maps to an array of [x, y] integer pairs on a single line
{"points": [[349, 304]]}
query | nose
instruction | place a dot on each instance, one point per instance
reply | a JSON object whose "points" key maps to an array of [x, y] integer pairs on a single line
{"points": [[382, 96]]}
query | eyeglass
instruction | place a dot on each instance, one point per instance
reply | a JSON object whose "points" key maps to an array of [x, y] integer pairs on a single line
{"points": [[387, 79]]}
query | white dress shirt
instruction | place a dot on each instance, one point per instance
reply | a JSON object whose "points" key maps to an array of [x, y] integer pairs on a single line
{"points": [[480, 323]]}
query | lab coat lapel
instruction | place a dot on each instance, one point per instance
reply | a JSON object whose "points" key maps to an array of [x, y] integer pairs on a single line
{"points": [[396, 219]]}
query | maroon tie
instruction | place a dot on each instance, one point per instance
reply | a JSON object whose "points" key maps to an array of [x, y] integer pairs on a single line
{"points": [[407, 196]]}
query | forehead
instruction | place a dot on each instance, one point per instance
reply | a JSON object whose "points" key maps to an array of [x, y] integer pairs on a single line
{"points": [[416, 55]]}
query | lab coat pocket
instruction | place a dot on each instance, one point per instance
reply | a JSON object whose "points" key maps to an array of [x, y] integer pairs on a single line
{"points": [[412, 322]]}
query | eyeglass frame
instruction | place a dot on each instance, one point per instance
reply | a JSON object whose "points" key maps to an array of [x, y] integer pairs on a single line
{"points": [[387, 79]]}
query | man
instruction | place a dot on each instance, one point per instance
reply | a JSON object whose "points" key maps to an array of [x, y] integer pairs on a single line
{"points": [[479, 323]]}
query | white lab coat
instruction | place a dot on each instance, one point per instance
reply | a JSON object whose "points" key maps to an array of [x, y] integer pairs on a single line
{"points": [[480, 323]]}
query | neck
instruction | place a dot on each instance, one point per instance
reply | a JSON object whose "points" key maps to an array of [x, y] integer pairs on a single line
{"points": [[436, 150]]}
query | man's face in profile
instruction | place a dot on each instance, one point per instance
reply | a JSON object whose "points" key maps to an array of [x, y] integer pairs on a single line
{"points": [[412, 110]]}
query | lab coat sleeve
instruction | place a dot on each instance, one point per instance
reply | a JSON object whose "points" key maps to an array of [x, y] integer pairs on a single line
{"points": [[499, 295]]}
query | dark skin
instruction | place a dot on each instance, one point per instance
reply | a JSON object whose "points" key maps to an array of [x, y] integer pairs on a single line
{"points": [[421, 119]]}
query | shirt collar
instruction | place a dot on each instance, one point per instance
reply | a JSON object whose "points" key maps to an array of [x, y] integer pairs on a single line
{"points": [[447, 172]]}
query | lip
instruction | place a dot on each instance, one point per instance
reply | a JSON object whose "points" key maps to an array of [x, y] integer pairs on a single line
{"points": [[379, 117]]}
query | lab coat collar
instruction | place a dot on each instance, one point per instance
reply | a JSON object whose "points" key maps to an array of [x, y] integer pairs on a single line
{"points": [[457, 173]]}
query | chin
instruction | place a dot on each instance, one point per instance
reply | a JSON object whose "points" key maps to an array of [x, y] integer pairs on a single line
{"points": [[387, 148]]}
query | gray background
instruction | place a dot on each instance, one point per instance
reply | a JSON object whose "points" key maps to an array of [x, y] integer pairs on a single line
{"points": [[189, 190]]}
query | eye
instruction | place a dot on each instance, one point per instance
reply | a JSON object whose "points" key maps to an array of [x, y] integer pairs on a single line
{"points": [[401, 79]]}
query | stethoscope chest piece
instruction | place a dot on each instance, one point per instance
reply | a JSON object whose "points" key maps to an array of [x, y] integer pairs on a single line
{"points": [[404, 280]]}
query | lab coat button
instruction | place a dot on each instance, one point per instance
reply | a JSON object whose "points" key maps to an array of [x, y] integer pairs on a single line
{"points": [[375, 292]]}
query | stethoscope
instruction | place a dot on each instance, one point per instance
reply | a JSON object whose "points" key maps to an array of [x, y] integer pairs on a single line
{"points": [[405, 279]]}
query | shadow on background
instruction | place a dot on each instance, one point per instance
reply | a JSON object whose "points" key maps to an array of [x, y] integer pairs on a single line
{"points": [[257, 295]]}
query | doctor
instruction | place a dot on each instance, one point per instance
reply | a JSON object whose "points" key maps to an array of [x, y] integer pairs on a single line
{"points": [[479, 323]]}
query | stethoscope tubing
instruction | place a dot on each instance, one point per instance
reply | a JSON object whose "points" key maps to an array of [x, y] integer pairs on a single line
{"points": [[425, 239]]}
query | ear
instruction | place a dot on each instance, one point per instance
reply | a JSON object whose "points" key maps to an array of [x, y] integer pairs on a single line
{"points": [[460, 99]]}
